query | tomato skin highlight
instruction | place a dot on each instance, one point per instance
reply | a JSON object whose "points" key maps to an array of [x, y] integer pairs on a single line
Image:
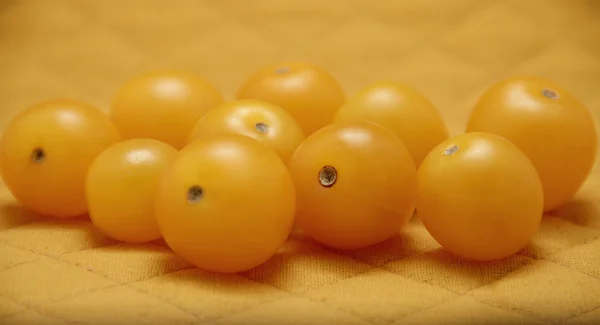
{"points": [[259, 120], [120, 188], [226, 203], [547, 123], [307, 92], [355, 183], [162, 105], [479, 196], [402, 109], [45, 152]]}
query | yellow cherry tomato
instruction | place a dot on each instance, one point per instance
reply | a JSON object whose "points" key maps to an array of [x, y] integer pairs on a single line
{"points": [[259, 120], [45, 153], [120, 189], [226, 203], [162, 105], [401, 109], [552, 127], [479, 196], [355, 183], [308, 92]]}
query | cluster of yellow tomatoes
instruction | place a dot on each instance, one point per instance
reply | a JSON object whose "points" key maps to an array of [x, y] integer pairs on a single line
{"points": [[224, 182]]}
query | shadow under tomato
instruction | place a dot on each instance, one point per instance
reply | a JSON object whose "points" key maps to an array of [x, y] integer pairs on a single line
{"points": [[450, 271], [20, 214], [400, 246], [13, 215], [412, 239], [143, 258], [580, 211], [223, 287], [299, 267], [161, 243], [296, 233]]}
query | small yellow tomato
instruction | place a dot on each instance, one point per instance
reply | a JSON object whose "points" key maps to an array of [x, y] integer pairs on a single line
{"points": [[479, 196], [45, 152], [259, 120], [120, 189], [402, 109], [355, 183], [226, 203], [552, 127], [308, 92], [162, 105]]}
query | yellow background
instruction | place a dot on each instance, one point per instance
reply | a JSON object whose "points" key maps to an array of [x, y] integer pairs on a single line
{"points": [[451, 50]]}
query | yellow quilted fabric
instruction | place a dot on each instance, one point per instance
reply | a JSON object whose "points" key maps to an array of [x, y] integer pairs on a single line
{"points": [[67, 273]]}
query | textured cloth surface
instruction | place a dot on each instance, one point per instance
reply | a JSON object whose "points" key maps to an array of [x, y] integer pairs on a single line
{"points": [[67, 273]]}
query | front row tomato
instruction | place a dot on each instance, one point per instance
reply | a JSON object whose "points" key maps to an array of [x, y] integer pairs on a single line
{"points": [[45, 152], [226, 203], [120, 188], [355, 183], [479, 196]]}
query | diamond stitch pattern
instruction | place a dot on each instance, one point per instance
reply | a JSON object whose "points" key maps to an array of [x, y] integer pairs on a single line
{"points": [[59, 273]]}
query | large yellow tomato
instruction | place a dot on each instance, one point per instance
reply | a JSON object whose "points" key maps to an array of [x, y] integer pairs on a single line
{"points": [[401, 109], [226, 203], [308, 92], [546, 122], [45, 153], [479, 196], [162, 105], [120, 188], [355, 184], [259, 120]]}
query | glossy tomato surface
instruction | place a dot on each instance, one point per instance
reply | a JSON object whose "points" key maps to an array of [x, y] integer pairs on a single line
{"points": [[308, 92], [259, 120], [120, 188], [355, 183], [479, 196], [402, 109], [546, 122], [226, 203], [162, 105], [45, 152]]}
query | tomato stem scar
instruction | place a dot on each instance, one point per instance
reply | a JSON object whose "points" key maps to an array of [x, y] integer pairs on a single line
{"points": [[451, 150], [550, 94], [282, 70], [195, 194], [38, 155], [261, 127], [327, 176]]}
